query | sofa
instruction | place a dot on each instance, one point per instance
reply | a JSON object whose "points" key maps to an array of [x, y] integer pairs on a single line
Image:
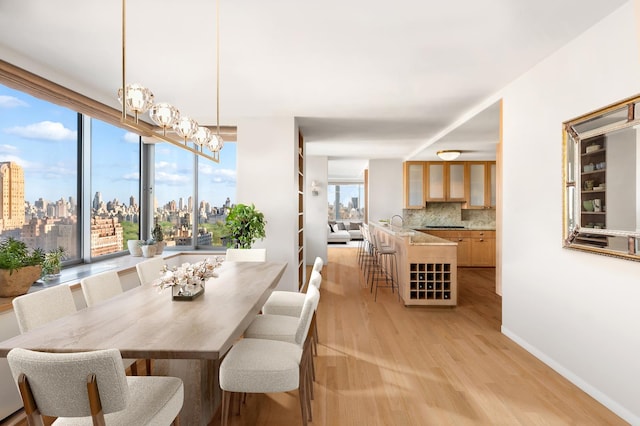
{"points": [[337, 235], [338, 231]]}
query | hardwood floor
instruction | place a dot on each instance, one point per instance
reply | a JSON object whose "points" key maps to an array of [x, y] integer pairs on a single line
{"points": [[380, 363]]}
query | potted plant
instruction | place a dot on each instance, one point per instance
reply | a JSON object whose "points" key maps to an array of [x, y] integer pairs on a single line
{"points": [[52, 264], [19, 267], [148, 247], [158, 236], [244, 225]]}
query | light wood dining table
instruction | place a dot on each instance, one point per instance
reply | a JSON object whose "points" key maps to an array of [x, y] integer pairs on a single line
{"points": [[185, 339]]}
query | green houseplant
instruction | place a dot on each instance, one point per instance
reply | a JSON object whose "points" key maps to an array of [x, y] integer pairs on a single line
{"points": [[245, 224], [158, 235], [52, 263], [19, 267]]}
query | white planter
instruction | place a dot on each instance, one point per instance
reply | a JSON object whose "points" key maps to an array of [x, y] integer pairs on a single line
{"points": [[148, 250], [134, 247]]}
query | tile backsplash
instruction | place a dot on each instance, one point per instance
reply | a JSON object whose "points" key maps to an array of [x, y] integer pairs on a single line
{"points": [[449, 214]]}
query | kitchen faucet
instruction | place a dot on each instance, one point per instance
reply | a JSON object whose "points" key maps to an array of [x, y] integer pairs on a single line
{"points": [[401, 219]]}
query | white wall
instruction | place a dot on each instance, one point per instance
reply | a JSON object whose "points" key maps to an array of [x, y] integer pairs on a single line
{"points": [[267, 173], [385, 189], [315, 209], [578, 312]]}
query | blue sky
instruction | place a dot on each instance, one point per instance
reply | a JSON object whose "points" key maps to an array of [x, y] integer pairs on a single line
{"points": [[41, 137]]}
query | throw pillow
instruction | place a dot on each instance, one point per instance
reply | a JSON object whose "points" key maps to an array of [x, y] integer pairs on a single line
{"points": [[334, 227], [354, 226], [341, 226]]}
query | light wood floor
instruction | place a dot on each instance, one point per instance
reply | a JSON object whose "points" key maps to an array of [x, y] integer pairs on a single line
{"points": [[380, 363]]}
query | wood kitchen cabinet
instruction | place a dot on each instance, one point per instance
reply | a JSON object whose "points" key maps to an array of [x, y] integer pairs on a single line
{"points": [[472, 183], [446, 181], [475, 248], [414, 184], [482, 185]]}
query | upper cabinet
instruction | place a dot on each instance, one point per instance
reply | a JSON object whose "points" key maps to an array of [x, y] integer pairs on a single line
{"points": [[414, 184], [470, 182], [482, 185], [446, 181]]}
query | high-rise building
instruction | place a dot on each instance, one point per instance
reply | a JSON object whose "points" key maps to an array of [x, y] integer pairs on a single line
{"points": [[11, 196]]}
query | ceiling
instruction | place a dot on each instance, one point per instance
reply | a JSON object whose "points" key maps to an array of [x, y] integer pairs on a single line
{"points": [[366, 79]]}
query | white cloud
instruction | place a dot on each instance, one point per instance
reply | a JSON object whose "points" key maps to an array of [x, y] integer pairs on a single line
{"points": [[7, 149], [131, 137], [131, 176], [166, 165], [218, 175], [11, 102], [171, 178], [47, 130]]}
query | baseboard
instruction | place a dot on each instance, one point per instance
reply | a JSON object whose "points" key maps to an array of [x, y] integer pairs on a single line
{"points": [[602, 398]]}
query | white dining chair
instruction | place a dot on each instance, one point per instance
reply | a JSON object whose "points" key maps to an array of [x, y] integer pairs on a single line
{"points": [[246, 255], [103, 286], [318, 264], [99, 287], [40, 307], [149, 270], [85, 388], [273, 360]]}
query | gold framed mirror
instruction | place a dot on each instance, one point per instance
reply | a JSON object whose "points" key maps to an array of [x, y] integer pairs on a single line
{"points": [[601, 174]]}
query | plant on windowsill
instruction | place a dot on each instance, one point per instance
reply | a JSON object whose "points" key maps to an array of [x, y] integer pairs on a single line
{"points": [[19, 267], [158, 235], [148, 247], [245, 224], [52, 264]]}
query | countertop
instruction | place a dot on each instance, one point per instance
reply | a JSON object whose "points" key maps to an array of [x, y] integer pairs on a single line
{"points": [[416, 237]]}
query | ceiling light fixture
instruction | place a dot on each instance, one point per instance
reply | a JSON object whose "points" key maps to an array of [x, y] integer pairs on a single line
{"points": [[184, 132], [448, 155]]}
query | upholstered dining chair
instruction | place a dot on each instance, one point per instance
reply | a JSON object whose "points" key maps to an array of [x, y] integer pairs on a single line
{"points": [[149, 270], [40, 307], [290, 302], [103, 286], [246, 255], [275, 360], [91, 388], [99, 287]]}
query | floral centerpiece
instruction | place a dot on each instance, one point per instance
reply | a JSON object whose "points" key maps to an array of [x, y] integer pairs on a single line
{"points": [[189, 277]]}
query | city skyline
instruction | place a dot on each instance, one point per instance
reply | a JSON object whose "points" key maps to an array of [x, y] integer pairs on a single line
{"points": [[41, 138]]}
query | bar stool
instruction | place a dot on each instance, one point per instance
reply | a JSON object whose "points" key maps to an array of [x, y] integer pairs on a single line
{"points": [[385, 267]]}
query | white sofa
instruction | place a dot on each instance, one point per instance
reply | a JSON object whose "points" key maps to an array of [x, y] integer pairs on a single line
{"points": [[336, 235]]}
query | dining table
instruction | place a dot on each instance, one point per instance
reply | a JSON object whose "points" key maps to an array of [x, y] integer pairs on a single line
{"points": [[184, 338]]}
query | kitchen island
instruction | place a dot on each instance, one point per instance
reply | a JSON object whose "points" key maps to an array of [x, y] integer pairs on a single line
{"points": [[427, 265]]}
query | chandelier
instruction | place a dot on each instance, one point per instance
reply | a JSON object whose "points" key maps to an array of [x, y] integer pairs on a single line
{"points": [[170, 124]]}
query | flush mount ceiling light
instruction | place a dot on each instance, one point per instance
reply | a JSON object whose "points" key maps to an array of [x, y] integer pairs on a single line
{"points": [[448, 155], [185, 132]]}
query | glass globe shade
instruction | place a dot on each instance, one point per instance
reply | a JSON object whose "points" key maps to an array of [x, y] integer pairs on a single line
{"points": [[137, 98], [185, 127], [216, 143], [164, 115], [202, 136]]}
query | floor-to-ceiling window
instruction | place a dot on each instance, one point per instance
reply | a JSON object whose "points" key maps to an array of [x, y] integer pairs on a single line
{"points": [[115, 188], [39, 173], [56, 163], [216, 193], [345, 201]]}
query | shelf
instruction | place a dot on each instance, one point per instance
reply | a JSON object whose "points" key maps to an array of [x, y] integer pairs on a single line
{"points": [[597, 213]]}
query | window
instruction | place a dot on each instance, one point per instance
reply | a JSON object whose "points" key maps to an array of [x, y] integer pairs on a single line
{"points": [[216, 191], [39, 173], [115, 188], [345, 201], [173, 194]]}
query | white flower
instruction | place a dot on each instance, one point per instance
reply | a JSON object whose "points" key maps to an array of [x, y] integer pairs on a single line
{"points": [[188, 273]]}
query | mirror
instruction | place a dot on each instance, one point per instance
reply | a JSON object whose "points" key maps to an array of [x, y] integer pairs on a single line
{"points": [[601, 181]]}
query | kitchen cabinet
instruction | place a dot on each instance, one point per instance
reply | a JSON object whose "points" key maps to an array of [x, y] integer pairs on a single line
{"points": [[482, 185], [414, 184], [446, 181], [476, 248], [472, 183]]}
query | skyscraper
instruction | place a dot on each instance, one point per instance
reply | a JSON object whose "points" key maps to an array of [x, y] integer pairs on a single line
{"points": [[11, 196]]}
